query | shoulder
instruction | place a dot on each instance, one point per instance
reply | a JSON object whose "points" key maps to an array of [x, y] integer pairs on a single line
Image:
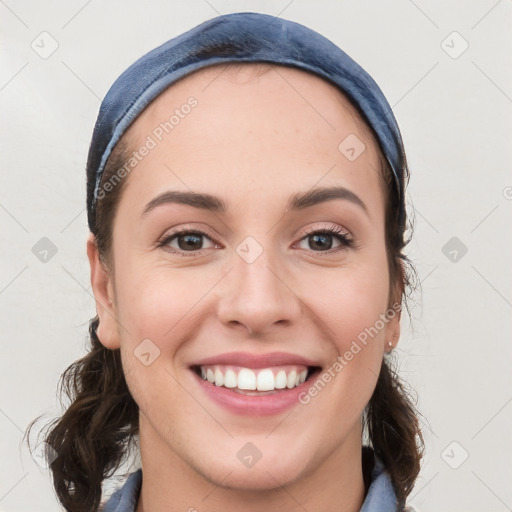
{"points": [[381, 496], [125, 498]]}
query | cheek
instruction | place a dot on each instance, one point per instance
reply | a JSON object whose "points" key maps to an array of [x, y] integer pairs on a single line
{"points": [[160, 303], [352, 306], [156, 312], [154, 302], [351, 300], [161, 310]]}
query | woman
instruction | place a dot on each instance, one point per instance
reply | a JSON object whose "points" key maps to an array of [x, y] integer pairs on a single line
{"points": [[246, 187]]}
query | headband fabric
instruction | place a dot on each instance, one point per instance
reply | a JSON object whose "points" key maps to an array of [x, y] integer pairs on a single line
{"points": [[239, 37]]}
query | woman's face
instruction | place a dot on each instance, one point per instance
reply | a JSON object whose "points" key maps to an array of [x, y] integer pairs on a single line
{"points": [[266, 295]]}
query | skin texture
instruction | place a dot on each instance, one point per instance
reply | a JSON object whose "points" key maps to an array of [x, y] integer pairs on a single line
{"points": [[253, 142]]}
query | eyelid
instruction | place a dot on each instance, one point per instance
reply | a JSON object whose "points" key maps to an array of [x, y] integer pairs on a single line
{"points": [[186, 228], [331, 228]]}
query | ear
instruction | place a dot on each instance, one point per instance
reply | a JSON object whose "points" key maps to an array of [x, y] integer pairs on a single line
{"points": [[394, 311], [102, 287]]}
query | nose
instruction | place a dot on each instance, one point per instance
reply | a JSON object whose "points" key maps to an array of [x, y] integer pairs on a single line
{"points": [[258, 295]]}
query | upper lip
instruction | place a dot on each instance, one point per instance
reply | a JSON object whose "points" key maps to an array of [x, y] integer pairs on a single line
{"points": [[248, 360]]}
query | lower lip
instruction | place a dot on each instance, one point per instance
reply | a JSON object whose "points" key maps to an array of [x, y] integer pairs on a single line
{"points": [[255, 405]]}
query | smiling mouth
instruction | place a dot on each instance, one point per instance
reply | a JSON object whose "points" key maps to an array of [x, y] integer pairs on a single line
{"points": [[256, 382]]}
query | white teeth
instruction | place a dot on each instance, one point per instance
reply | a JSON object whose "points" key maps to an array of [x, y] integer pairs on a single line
{"points": [[219, 377], [230, 380], [281, 379], [267, 379], [246, 379], [292, 378]]}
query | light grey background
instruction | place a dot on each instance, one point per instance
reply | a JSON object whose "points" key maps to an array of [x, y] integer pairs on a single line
{"points": [[454, 110]]}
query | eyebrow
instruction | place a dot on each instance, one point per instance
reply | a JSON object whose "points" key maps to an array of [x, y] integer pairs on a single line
{"points": [[298, 201]]}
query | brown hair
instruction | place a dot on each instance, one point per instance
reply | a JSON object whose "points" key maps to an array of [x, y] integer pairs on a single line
{"points": [[98, 430]]}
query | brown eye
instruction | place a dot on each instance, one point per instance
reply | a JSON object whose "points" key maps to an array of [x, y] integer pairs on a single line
{"points": [[186, 241], [191, 241], [321, 240]]}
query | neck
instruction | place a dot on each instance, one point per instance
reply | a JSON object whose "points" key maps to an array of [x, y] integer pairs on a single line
{"points": [[171, 485]]}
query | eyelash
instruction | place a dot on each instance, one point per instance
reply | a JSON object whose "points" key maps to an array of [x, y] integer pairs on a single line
{"points": [[345, 241]]}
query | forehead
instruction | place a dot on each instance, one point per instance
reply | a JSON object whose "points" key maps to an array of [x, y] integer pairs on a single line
{"points": [[254, 125], [227, 82]]}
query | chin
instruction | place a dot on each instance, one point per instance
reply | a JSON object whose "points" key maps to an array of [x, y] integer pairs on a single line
{"points": [[258, 478], [270, 468]]}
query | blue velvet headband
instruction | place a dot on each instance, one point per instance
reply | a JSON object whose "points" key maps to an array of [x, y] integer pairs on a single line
{"points": [[239, 37]]}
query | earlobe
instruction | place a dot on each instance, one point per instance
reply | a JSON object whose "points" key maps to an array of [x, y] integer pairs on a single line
{"points": [[101, 282], [394, 314], [392, 343]]}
